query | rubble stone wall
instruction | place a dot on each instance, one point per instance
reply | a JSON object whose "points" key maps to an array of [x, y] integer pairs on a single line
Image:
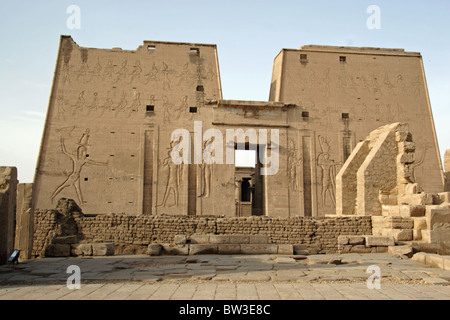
{"points": [[319, 235]]}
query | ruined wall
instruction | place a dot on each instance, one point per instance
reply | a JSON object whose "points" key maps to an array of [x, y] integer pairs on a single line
{"points": [[319, 235], [8, 190]]}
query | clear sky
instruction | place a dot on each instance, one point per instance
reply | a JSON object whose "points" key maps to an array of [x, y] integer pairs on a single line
{"points": [[248, 34]]}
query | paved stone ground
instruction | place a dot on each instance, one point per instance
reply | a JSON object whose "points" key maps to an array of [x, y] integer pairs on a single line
{"points": [[225, 277]]}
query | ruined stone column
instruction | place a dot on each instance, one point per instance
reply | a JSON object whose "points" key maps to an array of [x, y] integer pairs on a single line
{"points": [[24, 220], [447, 170], [8, 189]]}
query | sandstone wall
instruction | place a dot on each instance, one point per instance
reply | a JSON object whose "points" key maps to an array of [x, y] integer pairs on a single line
{"points": [[132, 234]]}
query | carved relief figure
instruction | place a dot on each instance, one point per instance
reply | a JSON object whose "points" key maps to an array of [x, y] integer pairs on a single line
{"points": [[96, 70], [79, 105], [109, 69], [84, 69], [61, 107], [136, 72], [93, 106], [166, 106], [206, 171], [185, 75], [166, 80], [294, 164], [152, 75], [123, 72], [328, 168], [416, 164], [174, 172], [122, 103], [79, 160]]}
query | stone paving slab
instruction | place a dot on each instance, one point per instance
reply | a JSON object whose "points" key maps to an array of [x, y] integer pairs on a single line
{"points": [[242, 277]]}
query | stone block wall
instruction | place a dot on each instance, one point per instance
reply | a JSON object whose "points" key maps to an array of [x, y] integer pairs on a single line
{"points": [[133, 234]]}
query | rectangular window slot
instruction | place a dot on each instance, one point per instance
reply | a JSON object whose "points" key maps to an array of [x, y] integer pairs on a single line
{"points": [[200, 88], [305, 114], [151, 47], [150, 108], [86, 179], [303, 57], [342, 59], [193, 109], [345, 116], [195, 51]]}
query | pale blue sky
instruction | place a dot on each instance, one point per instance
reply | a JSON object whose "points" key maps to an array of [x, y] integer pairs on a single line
{"points": [[248, 34]]}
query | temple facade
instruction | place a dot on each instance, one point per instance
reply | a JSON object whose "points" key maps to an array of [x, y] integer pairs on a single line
{"points": [[147, 132]]}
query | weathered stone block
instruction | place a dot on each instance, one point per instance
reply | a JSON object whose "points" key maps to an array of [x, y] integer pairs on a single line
{"points": [[285, 249], [258, 239], [229, 248], [434, 261], [219, 239], [103, 249], [360, 249], [199, 239], [239, 239], [401, 250], [446, 262], [356, 240], [154, 249], [180, 239], [81, 249], [57, 250], [259, 248], [171, 249], [398, 223], [419, 257], [436, 215], [383, 241], [399, 234], [195, 249], [65, 240]]}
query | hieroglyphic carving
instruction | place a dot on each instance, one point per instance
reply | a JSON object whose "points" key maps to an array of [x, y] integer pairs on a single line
{"points": [[416, 164], [93, 106], [166, 107], [109, 69], [152, 74], [206, 171], [83, 71], [79, 160], [60, 107], [174, 174], [136, 72], [123, 71], [295, 162], [122, 104], [96, 71], [166, 81], [67, 53], [328, 169], [136, 102], [79, 105], [108, 105], [185, 75]]}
